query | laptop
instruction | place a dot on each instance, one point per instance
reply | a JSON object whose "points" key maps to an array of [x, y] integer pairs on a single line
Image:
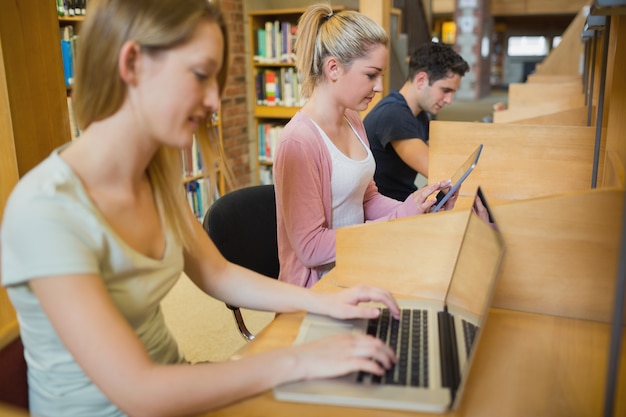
{"points": [[457, 179], [446, 334]]}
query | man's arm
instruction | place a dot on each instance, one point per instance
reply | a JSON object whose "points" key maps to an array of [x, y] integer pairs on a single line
{"points": [[414, 153]]}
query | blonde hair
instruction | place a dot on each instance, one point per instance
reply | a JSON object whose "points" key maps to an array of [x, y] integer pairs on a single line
{"points": [[156, 25], [346, 35]]}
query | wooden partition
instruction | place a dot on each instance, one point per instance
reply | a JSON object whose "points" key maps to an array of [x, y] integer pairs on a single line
{"points": [[613, 144], [517, 161], [554, 78], [554, 93], [529, 100], [561, 254], [408, 256], [561, 95], [565, 59], [526, 104], [577, 116]]}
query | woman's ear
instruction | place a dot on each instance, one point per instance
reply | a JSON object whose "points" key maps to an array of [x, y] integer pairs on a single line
{"points": [[129, 62], [332, 67]]}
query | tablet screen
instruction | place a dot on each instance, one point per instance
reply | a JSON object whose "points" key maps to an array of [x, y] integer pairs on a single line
{"points": [[457, 179]]}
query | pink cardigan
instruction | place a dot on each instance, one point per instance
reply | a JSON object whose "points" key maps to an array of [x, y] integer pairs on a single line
{"points": [[302, 177]]}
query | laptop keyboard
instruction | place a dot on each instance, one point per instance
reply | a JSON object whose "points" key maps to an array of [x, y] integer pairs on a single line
{"points": [[469, 332], [408, 337]]}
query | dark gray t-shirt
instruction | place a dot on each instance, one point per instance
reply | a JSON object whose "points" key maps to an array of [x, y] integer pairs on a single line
{"points": [[392, 119]]}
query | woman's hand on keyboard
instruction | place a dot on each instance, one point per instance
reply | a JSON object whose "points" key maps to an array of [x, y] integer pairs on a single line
{"points": [[340, 355], [346, 304]]}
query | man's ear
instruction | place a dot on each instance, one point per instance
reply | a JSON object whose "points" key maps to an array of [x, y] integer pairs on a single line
{"points": [[129, 62], [421, 79]]}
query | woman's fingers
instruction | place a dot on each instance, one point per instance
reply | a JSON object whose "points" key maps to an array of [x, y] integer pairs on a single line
{"points": [[342, 354]]}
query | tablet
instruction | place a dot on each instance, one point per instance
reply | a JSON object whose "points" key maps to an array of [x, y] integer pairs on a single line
{"points": [[458, 178]]}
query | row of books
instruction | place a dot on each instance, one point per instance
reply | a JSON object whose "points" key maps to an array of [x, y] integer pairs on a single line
{"points": [[268, 135], [196, 186], [191, 161], [278, 87], [74, 130], [275, 42], [68, 53], [197, 192], [71, 7], [265, 175]]}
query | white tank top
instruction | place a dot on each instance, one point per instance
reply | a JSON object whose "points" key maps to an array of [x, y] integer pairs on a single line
{"points": [[349, 179]]}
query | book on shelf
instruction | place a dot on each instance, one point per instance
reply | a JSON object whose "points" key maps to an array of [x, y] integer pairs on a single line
{"points": [[68, 53], [74, 130], [191, 161], [71, 8], [274, 42], [269, 45], [271, 88], [266, 175], [261, 50], [68, 62], [269, 135], [286, 42], [197, 192], [197, 185], [289, 87], [277, 87]]}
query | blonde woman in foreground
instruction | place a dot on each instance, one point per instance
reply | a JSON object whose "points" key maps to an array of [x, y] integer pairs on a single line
{"points": [[97, 234]]}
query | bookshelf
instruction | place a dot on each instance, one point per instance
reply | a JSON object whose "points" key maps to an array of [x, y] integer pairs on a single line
{"points": [[69, 26], [274, 89], [33, 115], [198, 191]]}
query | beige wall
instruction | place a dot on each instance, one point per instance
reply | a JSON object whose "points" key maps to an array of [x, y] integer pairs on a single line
{"points": [[518, 7], [250, 5]]}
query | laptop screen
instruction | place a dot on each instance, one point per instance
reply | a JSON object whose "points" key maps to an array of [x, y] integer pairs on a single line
{"points": [[475, 272]]}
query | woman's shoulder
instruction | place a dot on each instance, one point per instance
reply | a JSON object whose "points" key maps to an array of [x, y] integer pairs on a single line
{"points": [[50, 184], [299, 120], [300, 129], [300, 142]]}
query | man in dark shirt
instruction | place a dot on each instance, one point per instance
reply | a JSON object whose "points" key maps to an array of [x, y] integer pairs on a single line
{"points": [[397, 127]]}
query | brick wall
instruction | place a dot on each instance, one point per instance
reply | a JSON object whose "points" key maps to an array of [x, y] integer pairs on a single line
{"points": [[234, 99]]}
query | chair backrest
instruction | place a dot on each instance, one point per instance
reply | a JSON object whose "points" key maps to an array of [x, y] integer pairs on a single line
{"points": [[13, 380], [13, 372], [242, 224]]}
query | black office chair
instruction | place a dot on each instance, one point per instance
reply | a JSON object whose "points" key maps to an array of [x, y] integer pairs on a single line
{"points": [[242, 224], [13, 378]]}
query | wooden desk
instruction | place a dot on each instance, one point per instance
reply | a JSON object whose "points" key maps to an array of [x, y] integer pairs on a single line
{"points": [[543, 350], [527, 365], [9, 411]]}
